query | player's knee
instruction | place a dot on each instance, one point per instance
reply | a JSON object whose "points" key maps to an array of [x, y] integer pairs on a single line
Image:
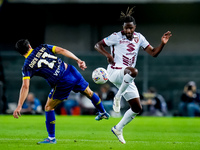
{"points": [[136, 109], [48, 107], [132, 71], [88, 92]]}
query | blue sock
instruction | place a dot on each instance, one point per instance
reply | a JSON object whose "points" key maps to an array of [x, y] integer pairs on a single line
{"points": [[50, 122], [97, 103]]}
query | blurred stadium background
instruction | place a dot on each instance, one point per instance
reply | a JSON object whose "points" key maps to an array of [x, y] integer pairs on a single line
{"points": [[78, 24]]}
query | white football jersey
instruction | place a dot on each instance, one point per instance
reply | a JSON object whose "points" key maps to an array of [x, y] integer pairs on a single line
{"points": [[124, 51]]}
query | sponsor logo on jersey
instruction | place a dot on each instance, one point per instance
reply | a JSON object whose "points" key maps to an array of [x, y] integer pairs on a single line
{"points": [[124, 42], [130, 47]]}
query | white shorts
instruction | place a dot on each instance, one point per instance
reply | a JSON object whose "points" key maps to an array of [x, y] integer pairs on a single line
{"points": [[116, 77]]}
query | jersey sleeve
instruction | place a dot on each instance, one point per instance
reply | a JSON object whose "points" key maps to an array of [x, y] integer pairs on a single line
{"points": [[144, 43], [52, 47], [26, 73], [111, 40]]}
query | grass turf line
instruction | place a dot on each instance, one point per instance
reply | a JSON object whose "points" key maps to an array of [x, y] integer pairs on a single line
{"points": [[83, 132]]}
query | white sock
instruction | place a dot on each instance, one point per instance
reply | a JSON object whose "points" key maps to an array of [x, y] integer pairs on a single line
{"points": [[126, 80], [51, 138], [128, 117]]}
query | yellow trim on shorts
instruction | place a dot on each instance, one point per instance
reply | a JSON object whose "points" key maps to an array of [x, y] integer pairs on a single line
{"points": [[57, 99], [53, 94], [86, 88]]}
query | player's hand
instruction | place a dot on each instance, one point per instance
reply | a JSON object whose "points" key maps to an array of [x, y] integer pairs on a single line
{"points": [[81, 64], [110, 60], [165, 37], [16, 113]]}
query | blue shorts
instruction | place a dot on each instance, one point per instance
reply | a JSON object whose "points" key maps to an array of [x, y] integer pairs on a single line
{"points": [[71, 80]]}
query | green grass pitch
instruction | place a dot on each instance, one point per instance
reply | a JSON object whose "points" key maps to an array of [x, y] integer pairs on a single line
{"points": [[84, 133]]}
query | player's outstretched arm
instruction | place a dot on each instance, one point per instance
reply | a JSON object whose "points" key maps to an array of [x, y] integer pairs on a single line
{"points": [[66, 53], [156, 51], [23, 94], [100, 48]]}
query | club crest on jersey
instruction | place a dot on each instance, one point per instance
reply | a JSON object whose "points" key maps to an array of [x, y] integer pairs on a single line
{"points": [[130, 47], [136, 39]]}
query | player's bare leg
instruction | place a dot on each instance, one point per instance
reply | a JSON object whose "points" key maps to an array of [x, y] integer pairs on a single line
{"points": [[97, 103], [129, 74], [50, 121], [128, 117], [51, 104]]}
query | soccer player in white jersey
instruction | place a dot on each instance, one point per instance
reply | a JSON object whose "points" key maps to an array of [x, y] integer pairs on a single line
{"points": [[121, 69]]}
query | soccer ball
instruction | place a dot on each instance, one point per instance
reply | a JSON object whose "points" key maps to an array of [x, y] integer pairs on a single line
{"points": [[100, 75]]}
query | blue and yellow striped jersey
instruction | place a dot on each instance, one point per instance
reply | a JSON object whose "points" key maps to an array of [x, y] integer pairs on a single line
{"points": [[42, 61]]}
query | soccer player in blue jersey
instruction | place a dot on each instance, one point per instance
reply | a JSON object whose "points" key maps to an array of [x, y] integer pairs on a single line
{"points": [[62, 77]]}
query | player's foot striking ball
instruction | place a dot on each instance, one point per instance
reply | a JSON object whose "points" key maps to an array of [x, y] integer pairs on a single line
{"points": [[102, 116]]}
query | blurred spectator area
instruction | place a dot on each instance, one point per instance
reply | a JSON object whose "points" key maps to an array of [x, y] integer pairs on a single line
{"points": [[168, 73], [78, 26]]}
